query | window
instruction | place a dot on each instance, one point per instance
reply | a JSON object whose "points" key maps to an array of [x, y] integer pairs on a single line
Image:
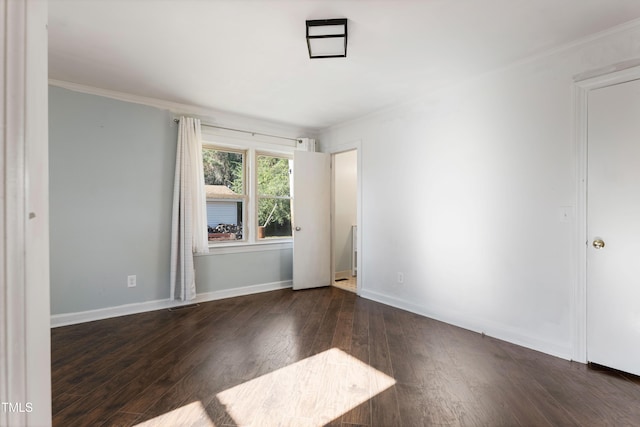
{"points": [[224, 179], [274, 196], [248, 194]]}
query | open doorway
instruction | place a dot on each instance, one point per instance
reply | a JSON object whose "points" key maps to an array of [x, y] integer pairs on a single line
{"points": [[345, 217]]}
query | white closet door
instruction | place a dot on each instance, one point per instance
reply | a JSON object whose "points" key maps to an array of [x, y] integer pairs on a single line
{"points": [[613, 212]]}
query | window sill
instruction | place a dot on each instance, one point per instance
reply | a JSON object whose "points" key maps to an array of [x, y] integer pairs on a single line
{"points": [[243, 247]]}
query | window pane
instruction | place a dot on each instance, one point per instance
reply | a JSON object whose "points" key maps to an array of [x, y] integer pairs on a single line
{"points": [[224, 220], [274, 218], [224, 185], [273, 176], [224, 169]]}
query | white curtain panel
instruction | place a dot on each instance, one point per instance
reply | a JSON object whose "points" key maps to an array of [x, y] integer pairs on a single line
{"points": [[189, 221]]}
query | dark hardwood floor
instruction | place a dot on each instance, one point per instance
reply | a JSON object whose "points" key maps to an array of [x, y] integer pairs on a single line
{"points": [[221, 358]]}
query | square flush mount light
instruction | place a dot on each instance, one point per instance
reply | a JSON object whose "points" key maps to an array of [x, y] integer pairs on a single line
{"points": [[327, 38]]}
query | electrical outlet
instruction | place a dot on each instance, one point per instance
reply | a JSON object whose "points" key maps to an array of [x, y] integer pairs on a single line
{"points": [[131, 281], [400, 278]]}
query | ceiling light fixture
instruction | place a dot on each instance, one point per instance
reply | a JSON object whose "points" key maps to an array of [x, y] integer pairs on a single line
{"points": [[327, 38]]}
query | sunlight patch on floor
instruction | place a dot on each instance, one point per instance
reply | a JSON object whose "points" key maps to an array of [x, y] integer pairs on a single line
{"points": [[310, 392], [192, 414]]}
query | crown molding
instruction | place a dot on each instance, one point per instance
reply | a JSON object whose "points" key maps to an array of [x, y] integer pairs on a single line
{"points": [[174, 107], [208, 115], [584, 41]]}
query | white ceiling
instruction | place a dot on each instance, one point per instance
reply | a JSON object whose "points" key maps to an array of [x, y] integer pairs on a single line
{"points": [[250, 56]]}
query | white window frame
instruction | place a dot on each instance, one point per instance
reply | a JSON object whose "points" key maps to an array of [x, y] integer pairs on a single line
{"points": [[228, 140], [241, 197], [257, 196]]}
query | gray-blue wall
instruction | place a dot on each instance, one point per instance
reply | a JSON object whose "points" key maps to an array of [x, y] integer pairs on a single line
{"points": [[111, 188]]}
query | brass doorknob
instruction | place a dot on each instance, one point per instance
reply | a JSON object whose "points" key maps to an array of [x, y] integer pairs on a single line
{"points": [[598, 243]]}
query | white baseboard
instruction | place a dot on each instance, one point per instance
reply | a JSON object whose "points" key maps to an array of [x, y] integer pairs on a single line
{"points": [[245, 290], [65, 319], [492, 329]]}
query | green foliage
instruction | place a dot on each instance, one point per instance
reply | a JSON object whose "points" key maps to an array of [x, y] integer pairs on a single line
{"points": [[273, 180], [223, 168]]}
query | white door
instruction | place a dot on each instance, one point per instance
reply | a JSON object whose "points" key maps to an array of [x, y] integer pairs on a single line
{"points": [[311, 221], [613, 227]]}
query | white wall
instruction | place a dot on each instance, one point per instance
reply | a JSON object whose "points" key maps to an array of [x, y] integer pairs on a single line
{"points": [[345, 169], [111, 186], [111, 178], [481, 171]]}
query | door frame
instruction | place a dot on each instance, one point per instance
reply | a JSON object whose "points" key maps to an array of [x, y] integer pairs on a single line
{"points": [[337, 149], [25, 333], [581, 88]]}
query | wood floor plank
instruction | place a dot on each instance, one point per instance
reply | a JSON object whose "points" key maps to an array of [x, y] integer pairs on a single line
{"points": [[399, 348], [150, 386], [306, 336], [344, 325], [588, 397], [359, 349], [131, 378], [123, 419], [490, 378], [105, 338], [129, 370], [384, 405], [183, 361], [525, 384], [326, 331]]}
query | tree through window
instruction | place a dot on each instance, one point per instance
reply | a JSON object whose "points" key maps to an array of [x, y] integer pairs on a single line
{"points": [[274, 196], [224, 178]]}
